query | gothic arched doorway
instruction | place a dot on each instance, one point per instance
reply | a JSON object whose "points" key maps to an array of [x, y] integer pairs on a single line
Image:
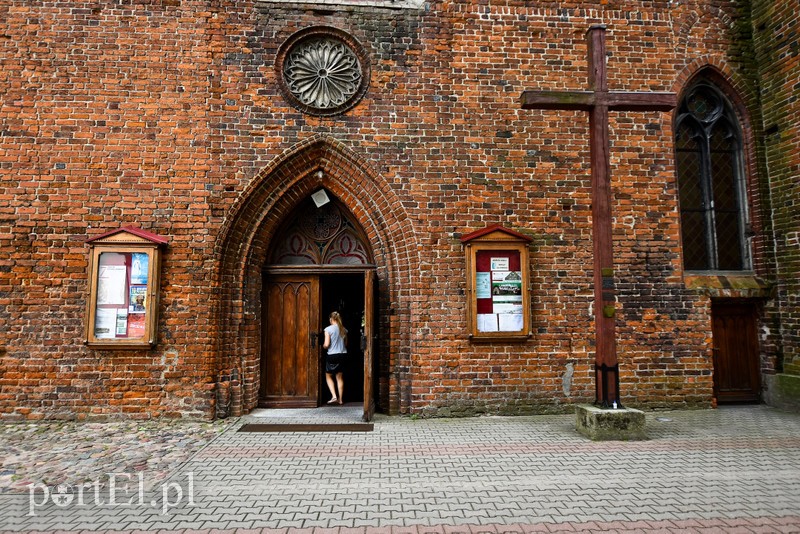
{"points": [[319, 261]]}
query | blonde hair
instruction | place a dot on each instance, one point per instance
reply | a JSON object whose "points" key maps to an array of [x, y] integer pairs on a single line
{"points": [[336, 317]]}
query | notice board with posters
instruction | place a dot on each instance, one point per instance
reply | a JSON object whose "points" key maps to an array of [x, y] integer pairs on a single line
{"points": [[124, 273], [498, 293]]}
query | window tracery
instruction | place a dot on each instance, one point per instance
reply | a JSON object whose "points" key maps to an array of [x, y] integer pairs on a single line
{"points": [[711, 182], [321, 236]]}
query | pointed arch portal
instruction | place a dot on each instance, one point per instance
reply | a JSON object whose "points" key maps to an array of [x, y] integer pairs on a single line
{"points": [[277, 250], [319, 262]]}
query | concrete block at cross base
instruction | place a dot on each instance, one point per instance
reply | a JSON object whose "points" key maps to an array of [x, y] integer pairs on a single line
{"points": [[783, 391], [598, 424]]}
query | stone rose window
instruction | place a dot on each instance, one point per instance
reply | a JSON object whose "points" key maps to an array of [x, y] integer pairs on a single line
{"points": [[322, 71]]}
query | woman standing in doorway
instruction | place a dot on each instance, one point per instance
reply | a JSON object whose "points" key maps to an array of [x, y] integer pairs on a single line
{"points": [[336, 345]]}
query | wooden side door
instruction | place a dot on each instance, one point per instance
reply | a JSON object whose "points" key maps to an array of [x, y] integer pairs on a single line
{"points": [[368, 342], [737, 376], [290, 348]]}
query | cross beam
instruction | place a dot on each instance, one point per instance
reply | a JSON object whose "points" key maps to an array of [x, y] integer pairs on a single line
{"points": [[598, 100]]}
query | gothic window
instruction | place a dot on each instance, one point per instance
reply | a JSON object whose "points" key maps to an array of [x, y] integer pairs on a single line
{"points": [[711, 182]]}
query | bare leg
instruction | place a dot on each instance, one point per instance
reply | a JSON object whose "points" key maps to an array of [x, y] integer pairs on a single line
{"points": [[331, 387], [340, 381]]}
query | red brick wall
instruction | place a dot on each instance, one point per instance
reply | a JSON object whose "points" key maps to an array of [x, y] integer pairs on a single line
{"points": [[168, 115], [776, 30]]}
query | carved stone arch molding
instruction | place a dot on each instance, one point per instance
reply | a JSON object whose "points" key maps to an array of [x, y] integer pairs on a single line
{"points": [[259, 214]]}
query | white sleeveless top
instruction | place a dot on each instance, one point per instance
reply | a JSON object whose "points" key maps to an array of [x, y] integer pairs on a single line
{"points": [[337, 343]]}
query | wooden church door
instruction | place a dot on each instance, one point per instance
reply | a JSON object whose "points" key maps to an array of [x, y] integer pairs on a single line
{"points": [[290, 351], [736, 353], [319, 262], [368, 342]]}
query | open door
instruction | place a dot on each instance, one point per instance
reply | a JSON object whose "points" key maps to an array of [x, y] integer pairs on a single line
{"points": [[368, 342]]}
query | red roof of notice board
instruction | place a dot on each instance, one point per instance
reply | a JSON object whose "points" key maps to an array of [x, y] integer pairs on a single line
{"points": [[138, 232], [494, 228]]}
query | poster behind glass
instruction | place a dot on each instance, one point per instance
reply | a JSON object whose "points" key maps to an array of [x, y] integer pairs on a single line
{"points": [[498, 292], [121, 309]]}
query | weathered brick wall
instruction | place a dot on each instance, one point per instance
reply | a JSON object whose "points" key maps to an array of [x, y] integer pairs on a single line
{"points": [[167, 114], [777, 42], [106, 114]]}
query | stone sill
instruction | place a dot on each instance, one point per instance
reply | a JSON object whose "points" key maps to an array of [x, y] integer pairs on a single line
{"points": [[729, 285], [391, 4]]}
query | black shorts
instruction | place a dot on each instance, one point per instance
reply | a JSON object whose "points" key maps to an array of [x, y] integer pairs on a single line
{"points": [[334, 363]]}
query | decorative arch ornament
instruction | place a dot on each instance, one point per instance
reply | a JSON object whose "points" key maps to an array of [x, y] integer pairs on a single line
{"points": [[322, 71], [325, 235]]}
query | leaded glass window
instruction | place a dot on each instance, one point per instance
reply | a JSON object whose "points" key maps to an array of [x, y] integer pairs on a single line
{"points": [[711, 184]]}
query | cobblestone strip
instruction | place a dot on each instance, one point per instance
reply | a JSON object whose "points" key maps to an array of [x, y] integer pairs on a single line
{"points": [[52, 453]]}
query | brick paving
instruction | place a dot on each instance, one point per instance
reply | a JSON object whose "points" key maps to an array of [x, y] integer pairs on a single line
{"points": [[735, 469]]}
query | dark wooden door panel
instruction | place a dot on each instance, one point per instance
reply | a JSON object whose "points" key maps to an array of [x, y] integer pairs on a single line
{"points": [[736, 352], [368, 343], [290, 355]]}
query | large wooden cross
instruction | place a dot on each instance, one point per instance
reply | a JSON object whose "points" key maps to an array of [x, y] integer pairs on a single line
{"points": [[598, 100]]}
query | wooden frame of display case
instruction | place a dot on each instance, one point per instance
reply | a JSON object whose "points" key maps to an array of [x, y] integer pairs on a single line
{"points": [[124, 281], [498, 284]]}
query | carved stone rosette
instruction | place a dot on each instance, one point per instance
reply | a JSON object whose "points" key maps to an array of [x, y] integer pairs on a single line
{"points": [[322, 71]]}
